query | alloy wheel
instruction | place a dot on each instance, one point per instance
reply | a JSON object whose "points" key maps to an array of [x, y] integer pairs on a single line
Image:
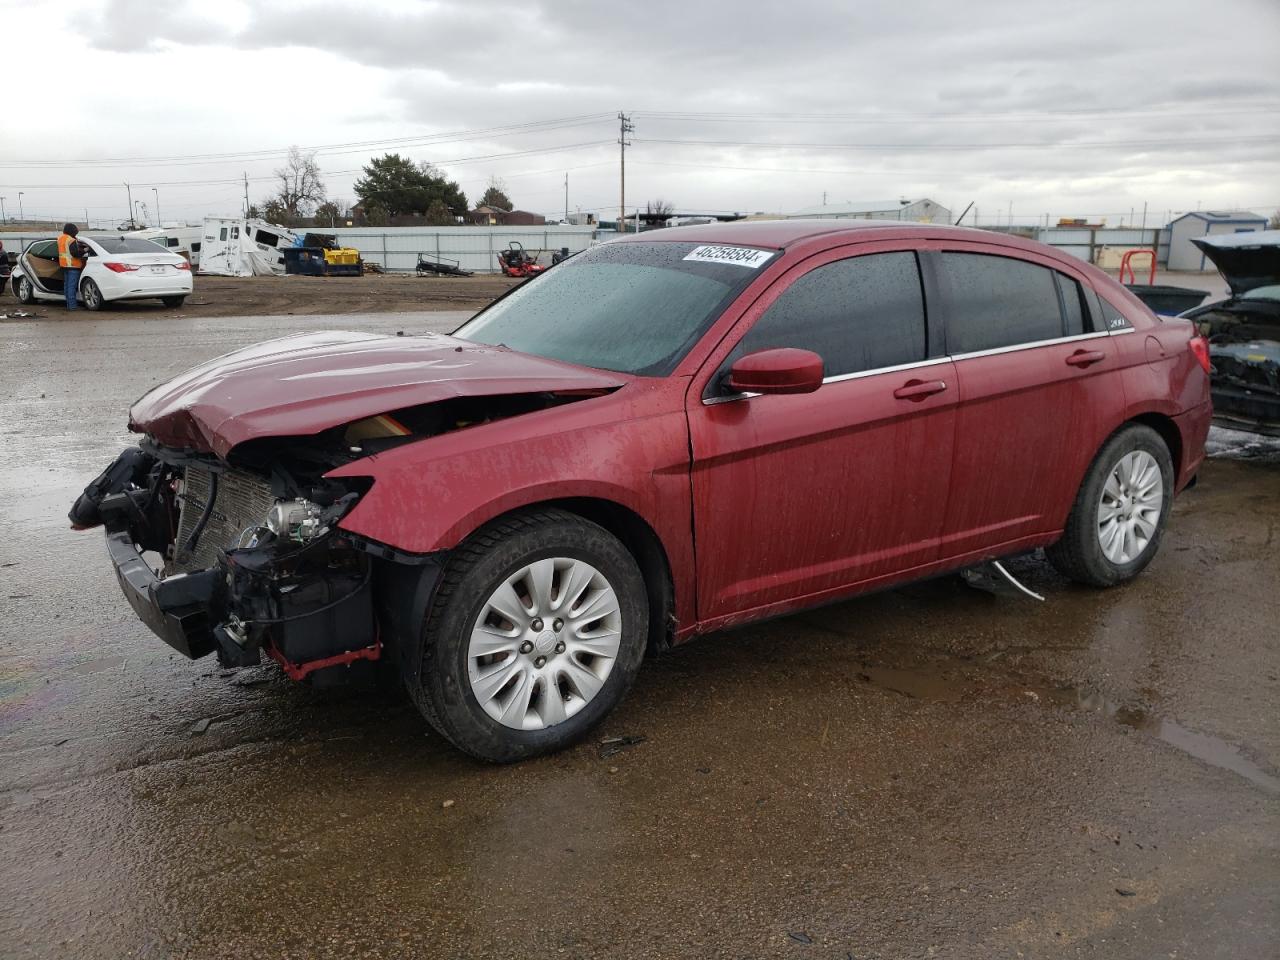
{"points": [[1129, 508], [544, 643]]}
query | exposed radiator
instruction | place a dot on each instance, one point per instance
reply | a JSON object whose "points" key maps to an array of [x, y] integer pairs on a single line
{"points": [[242, 501]]}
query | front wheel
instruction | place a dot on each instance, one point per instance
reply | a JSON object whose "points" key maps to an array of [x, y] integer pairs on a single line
{"points": [[1119, 516], [24, 290], [91, 295], [536, 633], [172, 301]]}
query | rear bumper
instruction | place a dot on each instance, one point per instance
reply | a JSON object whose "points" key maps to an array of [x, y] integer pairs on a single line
{"points": [[177, 609]]}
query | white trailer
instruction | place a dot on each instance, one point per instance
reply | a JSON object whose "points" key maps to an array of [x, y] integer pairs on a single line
{"points": [[241, 247]]}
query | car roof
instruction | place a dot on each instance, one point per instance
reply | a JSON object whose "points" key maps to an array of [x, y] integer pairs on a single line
{"points": [[778, 234]]}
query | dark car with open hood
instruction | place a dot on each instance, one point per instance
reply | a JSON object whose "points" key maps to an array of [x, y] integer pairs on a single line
{"points": [[662, 436], [1244, 330]]}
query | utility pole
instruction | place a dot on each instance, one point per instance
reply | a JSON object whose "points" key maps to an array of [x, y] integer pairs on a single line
{"points": [[157, 193], [824, 198], [246, 193], [625, 126], [1144, 214], [130, 190], [566, 196], [21, 216], [3, 218]]}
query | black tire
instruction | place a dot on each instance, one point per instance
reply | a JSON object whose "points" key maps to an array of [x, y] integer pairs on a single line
{"points": [[91, 295], [443, 692], [24, 290], [1079, 555], [173, 301]]}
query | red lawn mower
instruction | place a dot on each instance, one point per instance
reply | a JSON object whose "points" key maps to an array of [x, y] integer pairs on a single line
{"points": [[515, 262]]}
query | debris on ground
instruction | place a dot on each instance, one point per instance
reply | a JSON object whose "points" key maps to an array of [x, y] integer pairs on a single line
{"points": [[799, 937], [200, 726], [611, 746], [447, 804]]}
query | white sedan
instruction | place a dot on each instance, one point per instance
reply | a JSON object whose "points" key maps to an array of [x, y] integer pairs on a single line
{"points": [[117, 268]]}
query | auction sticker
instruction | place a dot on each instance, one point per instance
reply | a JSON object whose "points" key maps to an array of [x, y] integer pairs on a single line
{"points": [[738, 256]]}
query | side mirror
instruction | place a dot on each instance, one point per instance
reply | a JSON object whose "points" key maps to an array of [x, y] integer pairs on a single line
{"points": [[781, 370]]}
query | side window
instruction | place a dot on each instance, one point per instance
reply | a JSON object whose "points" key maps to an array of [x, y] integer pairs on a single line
{"points": [[998, 302], [195, 247], [235, 232], [222, 234], [1075, 312], [859, 314]]}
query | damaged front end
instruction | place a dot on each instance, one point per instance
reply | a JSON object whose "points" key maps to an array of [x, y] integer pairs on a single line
{"points": [[215, 558]]}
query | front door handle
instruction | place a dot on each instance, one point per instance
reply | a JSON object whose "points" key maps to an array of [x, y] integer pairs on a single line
{"points": [[917, 390], [1084, 358]]}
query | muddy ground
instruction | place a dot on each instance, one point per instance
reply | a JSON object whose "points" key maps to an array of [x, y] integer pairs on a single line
{"points": [[937, 771], [298, 295]]}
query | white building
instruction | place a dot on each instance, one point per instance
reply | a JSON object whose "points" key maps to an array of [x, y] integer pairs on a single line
{"points": [[908, 211], [1184, 255]]}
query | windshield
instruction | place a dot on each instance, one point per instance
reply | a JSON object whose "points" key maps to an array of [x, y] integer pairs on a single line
{"points": [[628, 307], [1271, 292], [125, 244]]}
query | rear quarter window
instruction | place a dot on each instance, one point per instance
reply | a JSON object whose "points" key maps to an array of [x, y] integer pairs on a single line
{"points": [[995, 301]]}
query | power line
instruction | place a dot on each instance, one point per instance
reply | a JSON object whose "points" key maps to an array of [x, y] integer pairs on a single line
{"points": [[1179, 141], [1003, 117], [332, 173], [517, 129]]}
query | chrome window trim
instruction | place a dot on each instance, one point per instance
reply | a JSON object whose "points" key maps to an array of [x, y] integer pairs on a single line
{"points": [[1031, 346], [839, 378]]}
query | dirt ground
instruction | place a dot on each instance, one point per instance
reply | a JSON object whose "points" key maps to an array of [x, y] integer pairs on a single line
{"points": [[284, 296], [947, 770]]}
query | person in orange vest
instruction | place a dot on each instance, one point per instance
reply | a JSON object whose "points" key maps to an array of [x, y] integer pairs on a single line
{"points": [[71, 255]]}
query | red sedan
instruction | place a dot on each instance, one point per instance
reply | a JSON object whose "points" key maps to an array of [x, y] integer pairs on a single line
{"points": [[664, 435]]}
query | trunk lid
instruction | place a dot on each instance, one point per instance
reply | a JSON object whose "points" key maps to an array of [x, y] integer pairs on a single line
{"points": [[302, 385], [1245, 260]]}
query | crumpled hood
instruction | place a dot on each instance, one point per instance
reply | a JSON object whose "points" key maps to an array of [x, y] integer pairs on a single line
{"points": [[302, 385], [1245, 260]]}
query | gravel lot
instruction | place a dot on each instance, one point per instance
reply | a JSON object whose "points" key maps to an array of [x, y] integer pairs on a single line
{"points": [[943, 770]]}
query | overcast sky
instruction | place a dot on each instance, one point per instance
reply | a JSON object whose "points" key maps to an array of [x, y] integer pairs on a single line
{"points": [[1071, 107]]}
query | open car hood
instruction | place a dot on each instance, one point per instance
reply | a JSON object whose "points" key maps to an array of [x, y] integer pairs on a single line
{"points": [[302, 385], [1245, 260]]}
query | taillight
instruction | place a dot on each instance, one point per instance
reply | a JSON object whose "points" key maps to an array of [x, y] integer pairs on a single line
{"points": [[1200, 349], [115, 267], [182, 265]]}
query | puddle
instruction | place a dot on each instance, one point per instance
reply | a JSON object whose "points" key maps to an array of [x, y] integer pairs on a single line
{"points": [[939, 687]]}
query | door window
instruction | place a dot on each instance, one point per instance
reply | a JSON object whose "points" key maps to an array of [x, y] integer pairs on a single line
{"points": [[1075, 312], [998, 302], [859, 314], [222, 234]]}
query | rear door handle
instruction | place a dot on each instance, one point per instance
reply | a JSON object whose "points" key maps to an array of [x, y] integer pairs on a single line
{"points": [[917, 390], [1084, 358]]}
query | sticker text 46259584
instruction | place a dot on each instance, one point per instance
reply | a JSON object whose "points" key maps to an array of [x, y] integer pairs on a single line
{"points": [[738, 256]]}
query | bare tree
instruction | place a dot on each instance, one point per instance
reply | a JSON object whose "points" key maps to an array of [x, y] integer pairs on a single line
{"points": [[496, 195], [1275, 221], [660, 209], [299, 188]]}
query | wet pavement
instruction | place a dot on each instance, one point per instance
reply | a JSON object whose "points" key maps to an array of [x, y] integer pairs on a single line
{"points": [[943, 770]]}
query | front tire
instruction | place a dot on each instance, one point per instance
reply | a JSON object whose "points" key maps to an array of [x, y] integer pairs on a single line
{"points": [[24, 290], [172, 302], [536, 632], [1120, 513], [91, 295]]}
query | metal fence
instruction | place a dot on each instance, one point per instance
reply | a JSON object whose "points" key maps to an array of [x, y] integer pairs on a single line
{"points": [[1087, 243]]}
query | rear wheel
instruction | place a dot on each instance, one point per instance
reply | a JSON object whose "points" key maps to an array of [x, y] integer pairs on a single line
{"points": [[91, 295], [24, 290], [172, 301], [536, 633], [1119, 516]]}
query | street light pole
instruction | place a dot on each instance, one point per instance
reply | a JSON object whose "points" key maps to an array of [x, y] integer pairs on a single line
{"points": [[130, 191]]}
